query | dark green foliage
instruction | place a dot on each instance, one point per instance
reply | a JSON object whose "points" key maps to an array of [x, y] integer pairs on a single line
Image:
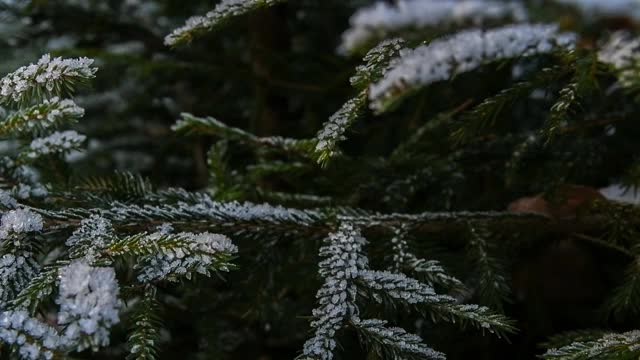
{"points": [[280, 118], [145, 328]]}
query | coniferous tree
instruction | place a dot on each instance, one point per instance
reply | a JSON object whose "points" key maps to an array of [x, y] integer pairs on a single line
{"points": [[410, 179]]}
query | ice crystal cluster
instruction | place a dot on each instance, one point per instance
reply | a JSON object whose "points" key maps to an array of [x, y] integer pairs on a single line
{"points": [[89, 304], [383, 19], [196, 255], [34, 339], [465, 51], [222, 12], [47, 75], [58, 142], [19, 221]]}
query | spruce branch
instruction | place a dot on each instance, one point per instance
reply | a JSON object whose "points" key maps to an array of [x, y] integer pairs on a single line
{"points": [[609, 347], [410, 292], [569, 337], [145, 329], [48, 77], [58, 143], [121, 185], [486, 113], [491, 283], [429, 270], [38, 119], [444, 58], [18, 266], [376, 62], [40, 287], [190, 124], [625, 299], [393, 342], [584, 81], [219, 16], [332, 132]]}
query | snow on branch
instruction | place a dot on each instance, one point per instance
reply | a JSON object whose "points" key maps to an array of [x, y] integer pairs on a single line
{"points": [[29, 337], [401, 287], [429, 270], [190, 253], [609, 346], [51, 113], [342, 262], [223, 12], [382, 19], [89, 304], [346, 273], [20, 221], [49, 76], [376, 62], [17, 267], [334, 129], [444, 58], [394, 340], [56, 143]]}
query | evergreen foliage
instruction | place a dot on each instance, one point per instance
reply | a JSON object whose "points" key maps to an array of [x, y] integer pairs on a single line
{"points": [[414, 179]]}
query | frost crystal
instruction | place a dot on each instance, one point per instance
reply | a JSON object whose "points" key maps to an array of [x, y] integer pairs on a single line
{"points": [[333, 130], [33, 339], [342, 262], [51, 112], [607, 347], [89, 304], [401, 287], [58, 142], [195, 253], [397, 338], [92, 235], [376, 62], [20, 221], [382, 19], [230, 211], [403, 259], [222, 12], [444, 58], [16, 269], [50, 74]]}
